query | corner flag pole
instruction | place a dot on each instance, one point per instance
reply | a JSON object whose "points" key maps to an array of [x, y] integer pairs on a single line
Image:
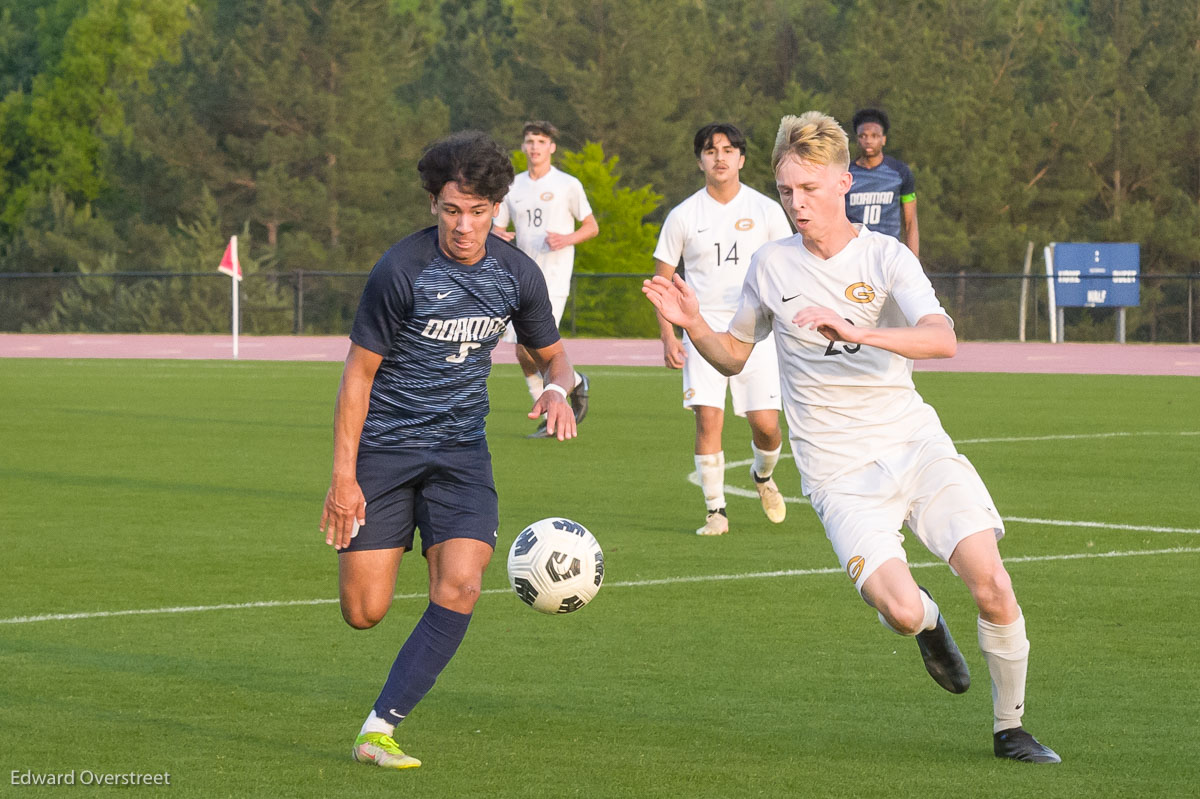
{"points": [[231, 266]]}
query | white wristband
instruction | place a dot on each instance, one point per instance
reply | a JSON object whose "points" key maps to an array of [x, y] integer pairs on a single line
{"points": [[555, 387]]}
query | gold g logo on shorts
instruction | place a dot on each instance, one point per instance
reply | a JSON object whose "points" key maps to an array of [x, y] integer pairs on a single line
{"points": [[691, 392], [547, 196], [855, 567], [860, 292], [744, 224]]}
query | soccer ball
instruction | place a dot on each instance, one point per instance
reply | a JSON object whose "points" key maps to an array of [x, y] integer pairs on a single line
{"points": [[555, 566]]}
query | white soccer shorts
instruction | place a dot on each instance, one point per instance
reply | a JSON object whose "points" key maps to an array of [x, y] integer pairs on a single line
{"points": [[927, 486], [557, 306], [756, 388]]}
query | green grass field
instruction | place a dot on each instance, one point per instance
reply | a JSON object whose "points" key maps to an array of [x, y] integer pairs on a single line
{"points": [[732, 667]]}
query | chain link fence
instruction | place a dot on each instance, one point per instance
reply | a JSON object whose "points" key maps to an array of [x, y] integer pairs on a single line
{"points": [[985, 307]]}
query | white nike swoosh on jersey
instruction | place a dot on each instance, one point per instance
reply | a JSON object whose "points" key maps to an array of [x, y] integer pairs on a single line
{"points": [[441, 295]]}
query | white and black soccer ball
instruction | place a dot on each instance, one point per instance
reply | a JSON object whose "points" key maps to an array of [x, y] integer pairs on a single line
{"points": [[555, 565]]}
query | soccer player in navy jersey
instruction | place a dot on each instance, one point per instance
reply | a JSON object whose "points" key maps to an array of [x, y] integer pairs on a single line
{"points": [[883, 196], [409, 446]]}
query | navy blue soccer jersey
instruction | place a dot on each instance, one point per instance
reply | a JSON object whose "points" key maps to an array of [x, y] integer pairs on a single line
{"points": [[436, 321], [876, 194]]}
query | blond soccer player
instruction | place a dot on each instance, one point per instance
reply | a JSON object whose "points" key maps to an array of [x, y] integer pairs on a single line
{"points": [[850, 310]]}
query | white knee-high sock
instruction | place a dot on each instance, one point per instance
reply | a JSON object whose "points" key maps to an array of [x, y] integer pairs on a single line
{"points": [[765, 460], [535, 384], [928, 621], [1006, 650], [712, 479]]}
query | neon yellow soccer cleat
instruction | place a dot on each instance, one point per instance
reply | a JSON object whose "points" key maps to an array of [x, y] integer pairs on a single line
{"points": [[381, 750]]}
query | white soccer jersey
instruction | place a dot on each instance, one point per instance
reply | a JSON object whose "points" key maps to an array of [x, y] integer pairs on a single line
{"points": [[553, 203], [846, 405], [717, 242]]}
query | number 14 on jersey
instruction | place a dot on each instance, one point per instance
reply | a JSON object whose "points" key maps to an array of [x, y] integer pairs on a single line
{"points": [[731, 254]]}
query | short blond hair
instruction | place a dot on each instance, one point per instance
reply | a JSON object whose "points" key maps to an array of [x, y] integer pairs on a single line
{"points": [[813, 137]]}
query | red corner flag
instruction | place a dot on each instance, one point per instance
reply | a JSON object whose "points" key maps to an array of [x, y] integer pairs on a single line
{"points": [[229, 261]]}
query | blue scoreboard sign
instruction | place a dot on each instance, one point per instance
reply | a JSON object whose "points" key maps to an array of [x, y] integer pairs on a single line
{"points": [[1090, 275]]}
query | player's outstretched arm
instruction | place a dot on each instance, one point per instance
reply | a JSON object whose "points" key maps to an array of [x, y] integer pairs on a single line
{"points": [[504, 233], [560, 419], [677, 304], [345, 506], [673, 352], [931, 337]]}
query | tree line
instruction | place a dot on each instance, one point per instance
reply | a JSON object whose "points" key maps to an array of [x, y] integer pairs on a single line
{"points": [[137, 135]]}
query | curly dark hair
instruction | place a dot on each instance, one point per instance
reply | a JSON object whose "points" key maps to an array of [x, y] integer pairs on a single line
{"points": [[704, 137], [876, 115], [470, 158]]}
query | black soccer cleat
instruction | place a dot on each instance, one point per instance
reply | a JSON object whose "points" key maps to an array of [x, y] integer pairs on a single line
{"points": [[541, 432], [943, 661], [1017, 744], [579, 398]]}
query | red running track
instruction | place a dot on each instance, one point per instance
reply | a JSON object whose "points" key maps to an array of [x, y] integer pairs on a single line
{"points": [[981, 356]]}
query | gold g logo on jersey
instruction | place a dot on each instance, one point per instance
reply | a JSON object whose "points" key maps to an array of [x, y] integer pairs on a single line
{"points": [[855, 567], [860, 292], [744, 224], [547, 196]]}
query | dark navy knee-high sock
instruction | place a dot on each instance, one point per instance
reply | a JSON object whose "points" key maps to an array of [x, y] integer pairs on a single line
{"points": [[428, 649]]}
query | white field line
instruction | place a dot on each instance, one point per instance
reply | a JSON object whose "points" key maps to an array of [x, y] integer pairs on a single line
{"points": [[738, 491], [1136, 528], [1078, 437], [699, 578], [694, 478]]}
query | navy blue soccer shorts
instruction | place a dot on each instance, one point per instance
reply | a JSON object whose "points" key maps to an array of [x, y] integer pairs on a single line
{"points": [[445, 492]]}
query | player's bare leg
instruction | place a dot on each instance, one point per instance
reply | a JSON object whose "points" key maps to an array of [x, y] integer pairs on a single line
{"points": [[766, 443], [1003, 642], [907, 609], [577, 395], [710, 464], [366, 584], [456, 569], [533, 378]]}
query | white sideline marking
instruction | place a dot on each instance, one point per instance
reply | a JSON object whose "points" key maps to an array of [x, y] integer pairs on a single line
{"points": [[694, 478], [1137, 528], [705, 578], [699, 578], [737, 491], [1076, 437]]}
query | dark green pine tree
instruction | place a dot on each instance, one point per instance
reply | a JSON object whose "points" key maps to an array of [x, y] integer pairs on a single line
{"points": [[68, 68], [294, 117], [475, 69], [1145, 182]]}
